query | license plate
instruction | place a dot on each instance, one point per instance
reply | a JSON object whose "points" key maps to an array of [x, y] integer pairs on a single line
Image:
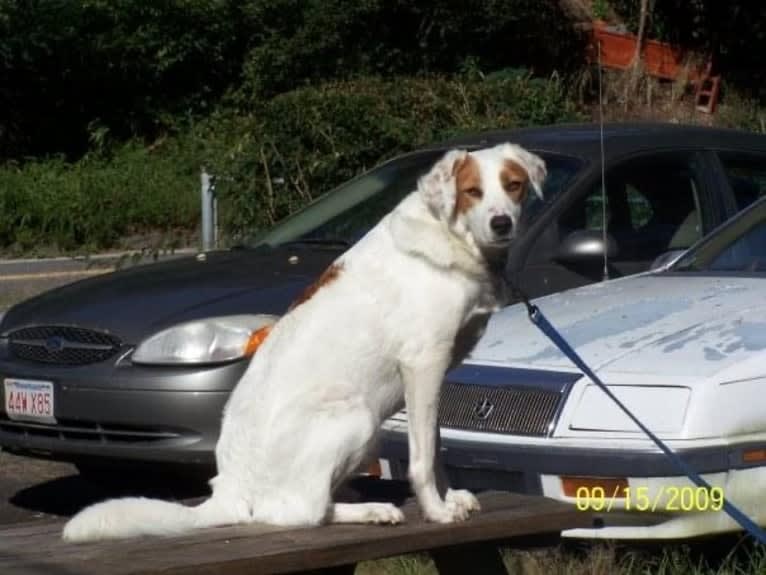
{"points": [[29, 400]]}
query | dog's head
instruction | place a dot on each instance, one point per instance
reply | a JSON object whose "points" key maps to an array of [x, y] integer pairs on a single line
{"points": [[480, 194]]}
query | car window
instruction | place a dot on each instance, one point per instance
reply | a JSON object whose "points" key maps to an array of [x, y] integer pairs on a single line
{"points": [[747, 176], [747, 253], [652, 206], [737, 246], [345, 213], [349, 211]]}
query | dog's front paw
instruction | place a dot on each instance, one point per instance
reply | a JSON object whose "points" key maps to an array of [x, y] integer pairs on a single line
{"points": [[457, 506], [384, 513], [462, 499]]}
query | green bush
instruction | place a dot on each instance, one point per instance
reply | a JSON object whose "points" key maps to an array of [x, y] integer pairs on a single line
{"points": [[301, 42], [75, 70], [55, 206], [79, 73], [314, 138], [271, 161]]}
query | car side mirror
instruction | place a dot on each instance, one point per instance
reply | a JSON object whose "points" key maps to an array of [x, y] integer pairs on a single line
{"points": [[586, 247]]}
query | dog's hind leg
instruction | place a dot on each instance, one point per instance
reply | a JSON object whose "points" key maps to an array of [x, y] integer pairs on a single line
{"points": [[365, 513], [330, 446]]}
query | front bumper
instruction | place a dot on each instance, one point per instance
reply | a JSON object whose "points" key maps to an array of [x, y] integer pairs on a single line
{"points": [[656, 503], [124, 412]]}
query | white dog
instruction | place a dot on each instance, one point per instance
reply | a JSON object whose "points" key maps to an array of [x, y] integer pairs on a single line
{"points": [[380, 326]]}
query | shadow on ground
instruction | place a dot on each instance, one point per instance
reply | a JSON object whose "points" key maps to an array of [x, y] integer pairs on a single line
{"points": [[64, 496]]}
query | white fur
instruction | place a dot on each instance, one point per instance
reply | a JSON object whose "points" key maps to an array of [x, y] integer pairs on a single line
{"points": [[307, 410]]}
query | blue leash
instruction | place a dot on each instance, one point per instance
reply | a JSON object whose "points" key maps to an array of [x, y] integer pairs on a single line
{"points": [[537, 318]]}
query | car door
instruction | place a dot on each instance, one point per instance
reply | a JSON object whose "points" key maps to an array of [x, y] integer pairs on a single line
{"points": [[655, 203]]}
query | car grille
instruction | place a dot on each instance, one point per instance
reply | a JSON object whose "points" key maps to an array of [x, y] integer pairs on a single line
{"points": [[83, 431], [513, 410], [62, 345]]}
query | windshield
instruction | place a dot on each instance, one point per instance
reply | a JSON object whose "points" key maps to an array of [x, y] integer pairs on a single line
{"points": [[345, 214], [738, 246]]}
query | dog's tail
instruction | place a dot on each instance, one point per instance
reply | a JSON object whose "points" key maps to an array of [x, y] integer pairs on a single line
{"points": [[134, 516]]}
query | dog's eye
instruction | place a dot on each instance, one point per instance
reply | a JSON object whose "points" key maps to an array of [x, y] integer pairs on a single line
{"points": [[474, 192], [513, 187]]}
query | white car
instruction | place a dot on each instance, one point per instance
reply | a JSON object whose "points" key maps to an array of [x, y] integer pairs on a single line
{"points": [[684, 348]]}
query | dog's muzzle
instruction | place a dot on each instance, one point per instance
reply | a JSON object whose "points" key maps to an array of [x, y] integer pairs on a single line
{"points": [[501, 225]]}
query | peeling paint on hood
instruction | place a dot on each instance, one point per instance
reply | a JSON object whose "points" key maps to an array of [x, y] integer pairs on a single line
{"points": [[674, 324]]}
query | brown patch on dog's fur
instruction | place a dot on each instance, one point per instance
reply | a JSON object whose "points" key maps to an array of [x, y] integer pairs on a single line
{"points": [[467, 184], [514, 180], [328, 276]]}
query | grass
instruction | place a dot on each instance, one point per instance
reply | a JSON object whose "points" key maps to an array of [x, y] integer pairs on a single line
{"points": [[721, 556]]}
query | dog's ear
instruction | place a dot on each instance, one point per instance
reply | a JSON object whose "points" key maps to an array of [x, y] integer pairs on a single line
{"points": [[438, 185], [532, 163]]}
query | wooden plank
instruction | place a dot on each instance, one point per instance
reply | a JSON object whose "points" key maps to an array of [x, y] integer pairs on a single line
{"points": [[267, 550]]}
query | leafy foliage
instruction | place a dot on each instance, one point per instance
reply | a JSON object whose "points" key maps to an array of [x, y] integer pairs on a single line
{"points": [[98, 202], [282, 99], [311, 139], [305, 41], [317, 137], [77, 71], [79, 74]]}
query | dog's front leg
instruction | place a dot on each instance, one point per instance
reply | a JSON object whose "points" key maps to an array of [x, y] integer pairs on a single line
{"points": [[422, 384]]}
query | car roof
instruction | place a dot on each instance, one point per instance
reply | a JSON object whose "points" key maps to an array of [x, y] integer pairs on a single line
{"points": [[583, 140]]}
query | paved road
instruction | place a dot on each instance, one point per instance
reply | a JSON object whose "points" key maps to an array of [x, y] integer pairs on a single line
{"points": [[23, 278], [19, 268], [19, 479]]}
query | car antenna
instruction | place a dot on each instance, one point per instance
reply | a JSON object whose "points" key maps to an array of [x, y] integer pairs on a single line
{"points": [[603, 167]]}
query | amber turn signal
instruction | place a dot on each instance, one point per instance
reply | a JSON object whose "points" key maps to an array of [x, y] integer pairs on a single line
{"points": [[612, 486], [754, 455], [256, 339]]}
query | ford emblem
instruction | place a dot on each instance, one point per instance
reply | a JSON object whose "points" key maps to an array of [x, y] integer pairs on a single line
{"points": [[54, 344]]}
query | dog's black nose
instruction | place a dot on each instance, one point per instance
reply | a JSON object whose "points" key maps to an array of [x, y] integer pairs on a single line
{"points": [[501, 225]]}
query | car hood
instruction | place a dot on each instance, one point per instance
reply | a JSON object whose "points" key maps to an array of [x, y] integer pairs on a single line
{"points": [[671, 324], [138, 301]]}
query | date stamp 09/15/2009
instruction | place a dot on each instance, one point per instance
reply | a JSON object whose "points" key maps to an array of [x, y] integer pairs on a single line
{"points": [[662, 499]]}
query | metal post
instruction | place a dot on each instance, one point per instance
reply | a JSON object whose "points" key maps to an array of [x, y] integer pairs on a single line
{"points": [[209, 211], [215, 213]]}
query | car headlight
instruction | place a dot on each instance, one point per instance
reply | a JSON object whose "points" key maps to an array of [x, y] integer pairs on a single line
{"points": [[214, 340], [662, 408]]}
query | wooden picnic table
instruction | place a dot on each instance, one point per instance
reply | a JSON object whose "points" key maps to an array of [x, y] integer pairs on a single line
{"points": [[469, 547]]}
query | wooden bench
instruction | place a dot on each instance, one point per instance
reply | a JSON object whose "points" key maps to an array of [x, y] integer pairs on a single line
{"points": [[469, 547]]}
